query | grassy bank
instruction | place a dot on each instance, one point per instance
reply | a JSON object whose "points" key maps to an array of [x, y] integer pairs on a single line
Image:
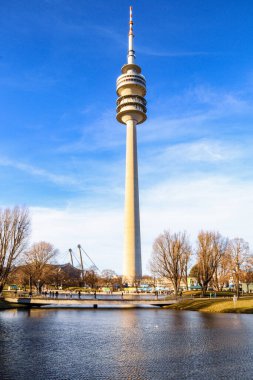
{"points": [[243, 305]]}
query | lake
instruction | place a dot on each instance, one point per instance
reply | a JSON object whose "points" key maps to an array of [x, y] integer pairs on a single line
{"points": [[132, 344]]}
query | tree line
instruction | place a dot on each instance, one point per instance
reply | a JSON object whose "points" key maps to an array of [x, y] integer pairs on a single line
{"points": [[217, 259], [35, 266]]}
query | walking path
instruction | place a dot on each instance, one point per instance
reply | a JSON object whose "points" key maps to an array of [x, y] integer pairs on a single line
{"points": [[95, 302]]}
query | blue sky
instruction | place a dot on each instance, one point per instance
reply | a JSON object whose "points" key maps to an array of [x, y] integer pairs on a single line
{"points": [[62, 153]]}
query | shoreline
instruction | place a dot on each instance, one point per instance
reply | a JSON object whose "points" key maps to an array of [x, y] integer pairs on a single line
{"points": [[218, 305], [8, 306]]}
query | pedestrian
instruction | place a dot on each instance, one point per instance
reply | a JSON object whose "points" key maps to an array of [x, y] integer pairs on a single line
{"points": [[95, 294], [56, 294], [79, 294]]}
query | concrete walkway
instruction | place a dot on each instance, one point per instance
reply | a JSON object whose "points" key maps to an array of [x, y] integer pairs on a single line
{"points": [[95, 303]]}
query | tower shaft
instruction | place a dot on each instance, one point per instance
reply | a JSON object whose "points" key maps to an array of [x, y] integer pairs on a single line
{"points": [[131, 110], [132, 243]]}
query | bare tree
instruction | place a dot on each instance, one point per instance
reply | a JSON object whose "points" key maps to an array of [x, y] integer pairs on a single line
{"points": [[247, 274], [37, 259], [222, 272], [239, 251], [185, 267], [211, 248], [170, 257], [108, 276], [14, 233], [91, 277]]}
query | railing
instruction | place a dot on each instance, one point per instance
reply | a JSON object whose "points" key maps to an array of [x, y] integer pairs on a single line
{"points": [[132, 103], [131, 79], [132, 99]]}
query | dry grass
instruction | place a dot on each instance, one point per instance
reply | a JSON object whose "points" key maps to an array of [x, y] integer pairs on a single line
{"points": [[243, 305]]}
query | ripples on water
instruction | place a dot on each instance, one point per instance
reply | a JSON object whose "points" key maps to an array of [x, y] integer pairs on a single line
{"points": [[133, 344]]}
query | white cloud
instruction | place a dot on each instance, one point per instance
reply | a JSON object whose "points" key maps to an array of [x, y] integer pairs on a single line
{"points": [[200, 112], [203, 150], [59, 179], [102, 134], [210, 202], [177, 54], [214, 202], [98, 230]]}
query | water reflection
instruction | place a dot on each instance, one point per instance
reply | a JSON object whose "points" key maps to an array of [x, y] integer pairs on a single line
{"points": [[124, 344]]}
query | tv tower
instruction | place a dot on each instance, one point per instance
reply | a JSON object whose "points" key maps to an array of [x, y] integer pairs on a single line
{"points": [[131, 110]]}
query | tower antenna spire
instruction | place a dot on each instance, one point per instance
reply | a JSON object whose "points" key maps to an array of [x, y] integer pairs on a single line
{"points": [[131, 56]]}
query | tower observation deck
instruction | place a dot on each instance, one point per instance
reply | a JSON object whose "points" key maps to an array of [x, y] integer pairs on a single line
{"points": [[131, 110]]}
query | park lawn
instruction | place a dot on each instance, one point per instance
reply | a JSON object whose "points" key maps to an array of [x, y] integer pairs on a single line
{"points": [[243, 305], [196, 293]]}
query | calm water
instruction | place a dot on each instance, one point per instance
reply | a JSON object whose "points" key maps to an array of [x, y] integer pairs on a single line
{"points": [[124, 344]]}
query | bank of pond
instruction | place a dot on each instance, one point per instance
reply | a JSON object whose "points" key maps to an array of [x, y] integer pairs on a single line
{"points": [[218, 305]]}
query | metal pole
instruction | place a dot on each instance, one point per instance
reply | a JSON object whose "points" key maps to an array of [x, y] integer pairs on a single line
{"points": [[81, 259], [71, 256]]}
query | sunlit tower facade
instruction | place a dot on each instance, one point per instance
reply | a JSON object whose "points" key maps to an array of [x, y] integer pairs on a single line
{"points": [[131, 110]]}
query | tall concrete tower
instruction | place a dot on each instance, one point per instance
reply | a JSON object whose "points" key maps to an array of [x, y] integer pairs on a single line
{"points": [[131, 110]]}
